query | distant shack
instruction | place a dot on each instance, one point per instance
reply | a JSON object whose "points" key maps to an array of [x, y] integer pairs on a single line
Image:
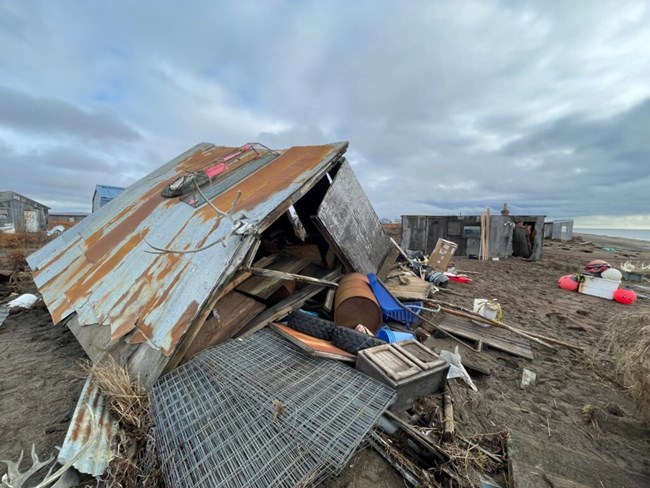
{"points": [[104, 194], [21, 214], [512, 235], [559, 229]]}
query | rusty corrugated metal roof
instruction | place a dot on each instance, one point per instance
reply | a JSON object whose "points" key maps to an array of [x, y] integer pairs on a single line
{"points": [[91, 425], [100, 270]]}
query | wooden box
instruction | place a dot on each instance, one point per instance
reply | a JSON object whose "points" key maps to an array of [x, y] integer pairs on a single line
{"points": [[410, 368], [598, 287], [442, 254]]}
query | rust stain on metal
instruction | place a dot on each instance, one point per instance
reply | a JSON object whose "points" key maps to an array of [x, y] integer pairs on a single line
{"points": [[91, 420], [270, 179], [81, 289], [144, 332], [101, 271], [181, 326], [101, 247]]}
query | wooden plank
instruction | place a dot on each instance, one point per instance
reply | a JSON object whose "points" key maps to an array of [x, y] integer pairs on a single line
{"points": [[349, 223], [281, 275], [232, 310], [244, 275], [312, 345], [500, 339], [276, 312], [263, 287], [415, 289], [328, 306], [305, 251]]}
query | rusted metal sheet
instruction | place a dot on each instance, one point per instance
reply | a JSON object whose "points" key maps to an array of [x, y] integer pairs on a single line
{"points": [[102, 270], [91, 428]]}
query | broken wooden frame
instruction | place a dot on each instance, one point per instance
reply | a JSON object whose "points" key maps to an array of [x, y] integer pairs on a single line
{"points": [[356, 239]]}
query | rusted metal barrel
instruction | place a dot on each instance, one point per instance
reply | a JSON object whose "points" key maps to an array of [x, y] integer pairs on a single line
{"points": [[355, 303]]}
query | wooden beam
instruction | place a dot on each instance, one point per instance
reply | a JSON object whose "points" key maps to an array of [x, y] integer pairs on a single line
{"points": [[276, 312], [243, 276], [533, 336], [263, 286], [271, 273]]}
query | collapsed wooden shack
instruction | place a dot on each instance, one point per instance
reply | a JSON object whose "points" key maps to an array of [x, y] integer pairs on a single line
{"points": [[215, 244]]}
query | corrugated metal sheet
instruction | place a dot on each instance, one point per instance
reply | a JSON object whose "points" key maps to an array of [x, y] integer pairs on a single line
{"points": [[100, 268], [91, 421]]}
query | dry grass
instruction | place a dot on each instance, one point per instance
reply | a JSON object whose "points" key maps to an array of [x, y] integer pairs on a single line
{"points": [[22, 240], [15, 260], [136, 464], [627, 338]]}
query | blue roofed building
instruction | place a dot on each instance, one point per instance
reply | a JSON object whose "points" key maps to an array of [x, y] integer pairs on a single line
{"points": [[104, 194]]}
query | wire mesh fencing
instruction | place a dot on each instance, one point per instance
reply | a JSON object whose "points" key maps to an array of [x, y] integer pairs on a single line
{"points": [[258, 413]]}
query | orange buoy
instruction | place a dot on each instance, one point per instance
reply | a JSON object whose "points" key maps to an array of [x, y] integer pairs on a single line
{"points": [[568, 282], [625, 296]]}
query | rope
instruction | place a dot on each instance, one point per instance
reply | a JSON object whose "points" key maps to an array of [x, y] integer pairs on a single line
{"points": [[491, 303]]}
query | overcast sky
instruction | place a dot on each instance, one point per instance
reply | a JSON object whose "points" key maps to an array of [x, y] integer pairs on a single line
{"points": [[449, 107]]}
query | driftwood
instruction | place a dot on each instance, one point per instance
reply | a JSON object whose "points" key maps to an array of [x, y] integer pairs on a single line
{"points": [[543, 340], [424, 441], [271, 273]]}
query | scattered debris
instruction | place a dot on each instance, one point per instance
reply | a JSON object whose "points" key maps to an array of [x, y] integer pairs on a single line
{"points": [[456, 368], [170, 288], [527, 378], [26, 300]]}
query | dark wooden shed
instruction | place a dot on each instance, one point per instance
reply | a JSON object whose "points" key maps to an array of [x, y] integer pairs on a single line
{"points": [[511, 235]]}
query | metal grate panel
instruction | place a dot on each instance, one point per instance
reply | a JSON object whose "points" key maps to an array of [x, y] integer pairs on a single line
{"points": [[216, 418]]}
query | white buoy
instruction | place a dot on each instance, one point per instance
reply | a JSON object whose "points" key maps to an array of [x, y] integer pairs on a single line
{"points": [[611, 274]]}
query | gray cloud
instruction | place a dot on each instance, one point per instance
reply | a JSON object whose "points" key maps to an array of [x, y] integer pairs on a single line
{"points": [[449, 106], [46, 116], [64, 177]]}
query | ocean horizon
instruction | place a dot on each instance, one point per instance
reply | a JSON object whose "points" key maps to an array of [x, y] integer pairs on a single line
{"points": [[640, 234]]}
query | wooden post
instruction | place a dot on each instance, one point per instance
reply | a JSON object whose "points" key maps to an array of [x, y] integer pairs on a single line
{"points": [[448, 432]]}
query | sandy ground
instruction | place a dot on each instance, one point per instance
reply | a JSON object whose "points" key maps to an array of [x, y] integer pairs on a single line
{"points": [[38, 384], [550, 433], [608, 448]]}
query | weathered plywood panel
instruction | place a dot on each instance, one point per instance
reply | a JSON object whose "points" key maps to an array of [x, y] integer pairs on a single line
{"points": [[350, 224], [501, 236], [415, 288], [312, 345], [495, 337]]}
